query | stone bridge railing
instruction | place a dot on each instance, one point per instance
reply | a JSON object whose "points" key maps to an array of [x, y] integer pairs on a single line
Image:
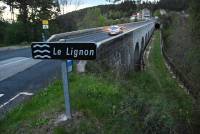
{"points": [[121, 53]]}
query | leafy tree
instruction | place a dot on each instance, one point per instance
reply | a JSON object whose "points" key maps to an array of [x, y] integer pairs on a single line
{"points": [[1, 12], [34, 9], [115, 15], [3, 26], [102, 20], [195, 18], [114, 1], [48, 9], [31, 12], [14, 35], [176, 5], [93, 18]]}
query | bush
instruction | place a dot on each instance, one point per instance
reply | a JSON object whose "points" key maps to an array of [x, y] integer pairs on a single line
{"points": [[16, 33], [195, 20], [3, 26]]}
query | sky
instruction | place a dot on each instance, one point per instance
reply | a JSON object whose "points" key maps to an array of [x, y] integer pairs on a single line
{"points": [[98, 2], [69, 8], [89, 3], [84, 4]]}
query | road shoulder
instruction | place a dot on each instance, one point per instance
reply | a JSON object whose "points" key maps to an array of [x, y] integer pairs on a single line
{"points": [[12, 48]]}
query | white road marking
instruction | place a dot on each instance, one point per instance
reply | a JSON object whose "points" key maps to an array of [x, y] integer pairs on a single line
{"points": [[10, 100], [14, 62], [2, 62], [15, 65], [1, 95]]}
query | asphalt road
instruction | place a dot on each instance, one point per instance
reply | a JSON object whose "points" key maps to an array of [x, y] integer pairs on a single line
{"points": [[100, 35], [21, 76]]}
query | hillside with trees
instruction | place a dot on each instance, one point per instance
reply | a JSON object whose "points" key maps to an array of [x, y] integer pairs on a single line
{"points": [[174, 5], [28, 27], [181, 34], [184, 48], [98, 16]]}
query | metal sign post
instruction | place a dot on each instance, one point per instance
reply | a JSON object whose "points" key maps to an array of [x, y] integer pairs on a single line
{"points": [[66, 89], [45, 27]]}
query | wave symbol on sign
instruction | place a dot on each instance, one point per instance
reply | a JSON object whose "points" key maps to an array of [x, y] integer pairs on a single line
{"points": [[44, 56], [41, 46], [41, 51]]}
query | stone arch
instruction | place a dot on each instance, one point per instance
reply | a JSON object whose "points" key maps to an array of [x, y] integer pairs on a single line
{"points": [[142, 43], [157, 25], [146, 38], [137, 57]]}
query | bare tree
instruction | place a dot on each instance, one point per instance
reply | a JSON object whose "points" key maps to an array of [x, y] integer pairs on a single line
{"points": [[1, 12], [11, 4], [115, 1], [64, 4], [77, 4]]}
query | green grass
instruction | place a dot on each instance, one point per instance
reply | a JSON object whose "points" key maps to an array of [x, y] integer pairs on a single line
{"points": [[146, 102]]}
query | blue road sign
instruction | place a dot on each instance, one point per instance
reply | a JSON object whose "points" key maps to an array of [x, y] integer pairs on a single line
{"points": [[69, 65]]}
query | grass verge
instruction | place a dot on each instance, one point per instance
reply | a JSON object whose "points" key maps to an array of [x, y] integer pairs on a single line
{"points": [[146, 102]]}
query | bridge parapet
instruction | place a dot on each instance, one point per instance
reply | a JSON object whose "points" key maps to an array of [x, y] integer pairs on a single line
{"points": [[121, 53]]}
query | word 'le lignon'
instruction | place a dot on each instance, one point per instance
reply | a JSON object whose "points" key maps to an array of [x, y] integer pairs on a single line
{"points": [[73, 52]]}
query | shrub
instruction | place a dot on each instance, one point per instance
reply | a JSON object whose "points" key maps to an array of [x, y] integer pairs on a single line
{"points": [[16, 33], [3, 26]]}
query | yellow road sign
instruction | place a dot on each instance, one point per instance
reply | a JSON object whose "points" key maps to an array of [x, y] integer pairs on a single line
{"points": [[45, 22]]}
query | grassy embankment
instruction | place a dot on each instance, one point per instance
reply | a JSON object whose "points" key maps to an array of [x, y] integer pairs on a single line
{"points": [[183, 50], [146, 102]]}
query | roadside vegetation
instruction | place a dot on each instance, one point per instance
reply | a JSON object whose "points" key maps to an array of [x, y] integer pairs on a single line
{"points": [[145, 102], [27, 27], [184, 50]]}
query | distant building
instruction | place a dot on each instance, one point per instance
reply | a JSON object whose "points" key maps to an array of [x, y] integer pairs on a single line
{"points": [[134, 16], [139, 16], [146, 14]]}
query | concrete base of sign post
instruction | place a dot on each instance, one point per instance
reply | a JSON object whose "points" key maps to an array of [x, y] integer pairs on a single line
{"points": [[62, 118], [81, 66]]}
